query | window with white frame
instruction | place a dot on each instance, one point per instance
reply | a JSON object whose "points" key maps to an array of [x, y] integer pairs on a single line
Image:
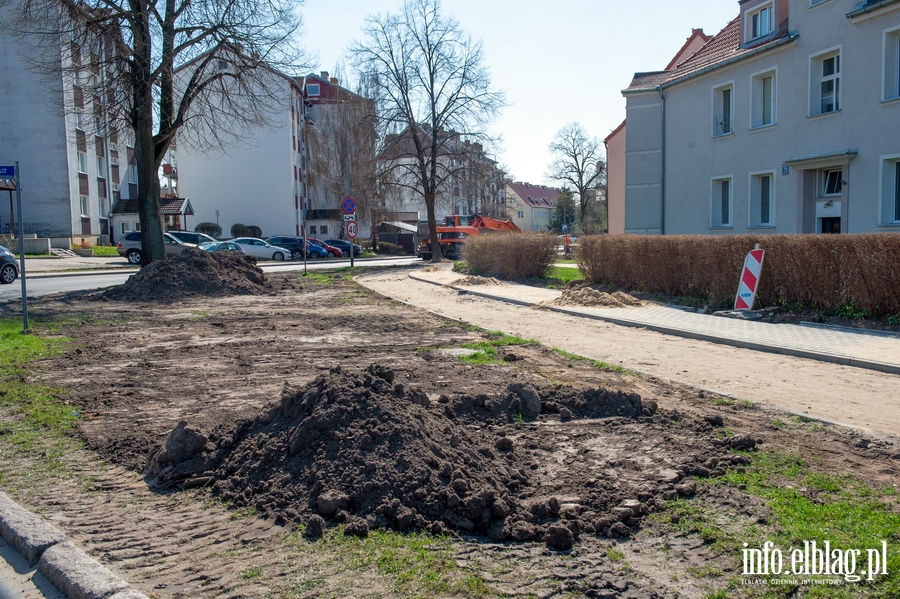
{"points": [[125, 228], [82, 162], [104, 207], [762, 113], [762, 199], [892, 64], [825, 83], [832, 182], [890, 190], [132, 174], [520, 214], [101, 167], [760, 22], [84, 206], [79, 119], [312, 89], [720, 203], [723, 105]]}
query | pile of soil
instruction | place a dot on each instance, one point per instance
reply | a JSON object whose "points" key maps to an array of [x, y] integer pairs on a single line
{"points": [[193, 273], [477, 280], [359, 448], [592, 298]]}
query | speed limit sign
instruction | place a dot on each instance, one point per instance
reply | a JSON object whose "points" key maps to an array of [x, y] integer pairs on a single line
{"points": [[352, 229]]}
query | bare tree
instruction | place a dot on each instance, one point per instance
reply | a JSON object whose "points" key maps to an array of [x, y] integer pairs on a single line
{"points": [[154, 66], [578, 161], [434, 97]]}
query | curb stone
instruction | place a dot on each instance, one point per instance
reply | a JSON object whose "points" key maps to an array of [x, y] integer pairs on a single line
{"points": [[68, 568], [21, 529]]}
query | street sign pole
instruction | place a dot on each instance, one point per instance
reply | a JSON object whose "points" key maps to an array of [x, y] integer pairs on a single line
{"points": [[21, 249]]}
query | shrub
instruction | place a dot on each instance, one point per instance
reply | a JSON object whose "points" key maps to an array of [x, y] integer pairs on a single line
{"points": [[828, 271], [513, 256], [385, 247], [211, 229], [254, 231], [240, 230]]}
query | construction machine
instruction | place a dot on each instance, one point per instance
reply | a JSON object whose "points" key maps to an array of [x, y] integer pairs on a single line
{"points": [[457, 228]]}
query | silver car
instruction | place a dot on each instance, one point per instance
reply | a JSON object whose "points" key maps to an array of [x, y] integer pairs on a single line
{"points": [[261, 249], [129, 245]]}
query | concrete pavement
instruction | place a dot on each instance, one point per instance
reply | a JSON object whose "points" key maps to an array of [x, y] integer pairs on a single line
{"points": [[851, 347]]}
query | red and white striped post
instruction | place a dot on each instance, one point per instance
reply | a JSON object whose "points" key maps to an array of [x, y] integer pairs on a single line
{"points": [[749, 283]]}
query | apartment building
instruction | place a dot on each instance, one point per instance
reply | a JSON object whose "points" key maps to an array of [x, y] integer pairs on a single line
{"points": [[783, 122], [289, 177], [531, 206], [75, 161]]}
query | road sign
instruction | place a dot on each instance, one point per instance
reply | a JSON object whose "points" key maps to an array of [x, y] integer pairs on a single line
{"points": [[7, 171], [348, 217], [565, 228], [348, 206], [352, 229], [749, 283]]}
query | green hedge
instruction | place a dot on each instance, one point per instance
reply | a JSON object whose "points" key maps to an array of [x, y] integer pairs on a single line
{"points": [[827, 271]]}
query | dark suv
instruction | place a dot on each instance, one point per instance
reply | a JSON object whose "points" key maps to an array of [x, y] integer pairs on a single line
{"points": [[191, 237], [295, 244]]}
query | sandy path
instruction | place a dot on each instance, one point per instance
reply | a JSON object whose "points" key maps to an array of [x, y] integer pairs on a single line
{"points": [[853, 396]]}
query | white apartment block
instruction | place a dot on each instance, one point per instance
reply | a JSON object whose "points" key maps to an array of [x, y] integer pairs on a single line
{"points": [[73, 162], [786, 121]]}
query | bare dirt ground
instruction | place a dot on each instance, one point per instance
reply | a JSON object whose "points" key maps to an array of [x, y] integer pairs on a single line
{"points": [[583, 470]]}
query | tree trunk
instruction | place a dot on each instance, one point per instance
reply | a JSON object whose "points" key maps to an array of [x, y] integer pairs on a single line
{"points": [[432, 228]]}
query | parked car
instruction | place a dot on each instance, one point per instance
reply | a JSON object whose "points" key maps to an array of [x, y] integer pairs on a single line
{"points": [[289, 242], [330, 250], [259, 248], [9, 268], [129, 245], [191, 237], [221, 246], [314, 252], [344, 246]]}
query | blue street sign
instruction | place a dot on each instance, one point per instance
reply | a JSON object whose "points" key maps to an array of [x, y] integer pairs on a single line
{"points": [[565, 228], [348, 206], [7, 171]]}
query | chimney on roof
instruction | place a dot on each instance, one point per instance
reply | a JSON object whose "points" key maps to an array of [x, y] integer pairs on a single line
{"points": [[324, 75], [335, 81]]}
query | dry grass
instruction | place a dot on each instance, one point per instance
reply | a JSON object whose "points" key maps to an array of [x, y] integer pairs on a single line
{"points": [[511, 256], [828, 271]]}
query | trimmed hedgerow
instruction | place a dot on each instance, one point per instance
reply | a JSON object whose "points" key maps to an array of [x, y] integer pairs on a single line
{"points": [[828, 271]]}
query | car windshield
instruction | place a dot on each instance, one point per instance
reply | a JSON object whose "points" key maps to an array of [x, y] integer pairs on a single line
{"points": [[207, 245]]}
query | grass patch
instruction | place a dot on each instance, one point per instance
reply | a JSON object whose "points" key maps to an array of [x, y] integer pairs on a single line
{"points": [[418, 564], [723, 401], [199, 315], [560, 276], [317, 277], [596, 363], [486, 351], [614, 555], [250, 573], [105, 251], [33, 418]]}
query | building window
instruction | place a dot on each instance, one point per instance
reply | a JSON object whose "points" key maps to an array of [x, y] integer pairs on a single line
{"points": [[721, 202], [890, 190], [82, 162], [760, 22], [84, 206], [312, 229], [520, 214], [762, 200], [104, 208], [323, 229], [312, 89], [101, 167], [132, 174], [79, 119], [763, 100], [832, 182], [825, 87], [722, 110], [892, 64]]}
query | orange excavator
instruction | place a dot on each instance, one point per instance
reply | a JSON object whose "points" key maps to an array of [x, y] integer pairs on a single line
{"points": [[457, 228]]}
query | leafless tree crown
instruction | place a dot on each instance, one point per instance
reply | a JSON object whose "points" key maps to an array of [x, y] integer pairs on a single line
{"points": [[578, 161]]}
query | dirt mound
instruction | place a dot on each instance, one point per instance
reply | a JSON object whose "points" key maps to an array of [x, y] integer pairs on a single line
{"points": [[591, 298], [477, 280], [191, 273], [360, 448], [433, 268]]}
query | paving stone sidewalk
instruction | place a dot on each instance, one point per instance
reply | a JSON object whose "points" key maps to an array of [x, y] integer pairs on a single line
{"points": [[860, 348]]}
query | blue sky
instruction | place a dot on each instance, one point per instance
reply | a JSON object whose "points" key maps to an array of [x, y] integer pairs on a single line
{"points": [[558, 62]]}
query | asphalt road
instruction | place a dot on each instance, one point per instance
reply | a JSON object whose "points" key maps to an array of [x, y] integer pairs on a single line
{"points": [[37, 286]]}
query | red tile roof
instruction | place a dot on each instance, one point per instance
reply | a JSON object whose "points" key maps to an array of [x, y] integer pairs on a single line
{"points": [[723, 47], [536, 196]]}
